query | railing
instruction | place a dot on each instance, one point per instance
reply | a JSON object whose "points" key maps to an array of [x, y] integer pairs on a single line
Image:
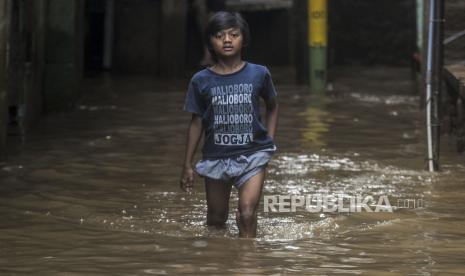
{"points": [[454, 37]]}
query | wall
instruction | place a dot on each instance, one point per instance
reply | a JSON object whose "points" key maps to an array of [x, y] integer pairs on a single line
{"points": [[42, 67], [270, 36], [455, 22], [63, 53], [137, 36], [372, 31]]}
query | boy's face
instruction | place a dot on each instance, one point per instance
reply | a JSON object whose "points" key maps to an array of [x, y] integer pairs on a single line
{"points": [[227, 43]]}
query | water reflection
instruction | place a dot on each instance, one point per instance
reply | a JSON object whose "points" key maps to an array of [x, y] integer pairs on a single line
{"points": [[317, 123]]}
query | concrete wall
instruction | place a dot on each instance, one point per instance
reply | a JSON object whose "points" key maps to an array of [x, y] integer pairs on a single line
{"points": [[372, 31], [455, 22], [173, 38], [63, 53], [137, 36], [34, 63], [150, 37], [42, 67], [153, 37], [25, 62], [270, 43]]}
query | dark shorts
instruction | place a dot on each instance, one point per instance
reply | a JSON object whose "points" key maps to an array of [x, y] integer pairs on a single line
{"points": [[238, 169]]}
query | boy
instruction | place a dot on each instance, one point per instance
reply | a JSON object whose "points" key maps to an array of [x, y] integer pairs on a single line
{"points": [[224, 102]]}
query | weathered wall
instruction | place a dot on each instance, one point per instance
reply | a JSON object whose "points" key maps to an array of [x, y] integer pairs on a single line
{"points": [[161, 38], [270, 36], [23, 24], [173, 38], [63, 53], [455, 22], [43, 64], [137, 36], [372, 31]]}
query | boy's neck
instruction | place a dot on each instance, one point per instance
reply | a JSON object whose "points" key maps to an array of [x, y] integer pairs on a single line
{"points": [[226, 66]]}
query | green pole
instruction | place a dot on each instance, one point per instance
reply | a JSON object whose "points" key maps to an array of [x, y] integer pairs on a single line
{"points": [[317, 43], [420, 15]]}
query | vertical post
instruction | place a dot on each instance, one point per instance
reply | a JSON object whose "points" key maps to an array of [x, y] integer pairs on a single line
{"points": [[4, 24], [433, 80], [108, 34], [420, 7], [429, 74], [437, 77], [35, 51], [317, 41]]}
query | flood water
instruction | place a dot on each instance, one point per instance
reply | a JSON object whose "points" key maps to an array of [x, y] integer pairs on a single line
{"points": [[95, 191]]}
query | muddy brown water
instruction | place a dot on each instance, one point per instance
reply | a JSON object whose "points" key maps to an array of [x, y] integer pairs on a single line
{"points": [[95, 191]]}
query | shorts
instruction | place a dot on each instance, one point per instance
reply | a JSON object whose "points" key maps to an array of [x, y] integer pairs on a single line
{"points": [[237, 169]]}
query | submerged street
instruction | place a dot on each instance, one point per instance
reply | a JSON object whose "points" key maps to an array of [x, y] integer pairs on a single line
{"points": [[96, 190]]}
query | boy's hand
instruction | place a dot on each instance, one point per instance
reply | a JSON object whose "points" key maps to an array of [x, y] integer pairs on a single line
{"points": [[187, 179]]}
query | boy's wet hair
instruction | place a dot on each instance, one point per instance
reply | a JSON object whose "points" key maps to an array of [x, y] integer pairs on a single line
{"points": [[225, 20]]}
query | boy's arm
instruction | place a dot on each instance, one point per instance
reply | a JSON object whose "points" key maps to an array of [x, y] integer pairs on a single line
{"points": [[271, 115], [194, 134]]}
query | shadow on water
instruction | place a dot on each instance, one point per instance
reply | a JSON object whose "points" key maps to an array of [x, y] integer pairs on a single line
{"points": [[96, 190]]}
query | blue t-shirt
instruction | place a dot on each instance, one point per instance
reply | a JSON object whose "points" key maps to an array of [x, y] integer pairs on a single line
{"points": [[229, 107]]}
